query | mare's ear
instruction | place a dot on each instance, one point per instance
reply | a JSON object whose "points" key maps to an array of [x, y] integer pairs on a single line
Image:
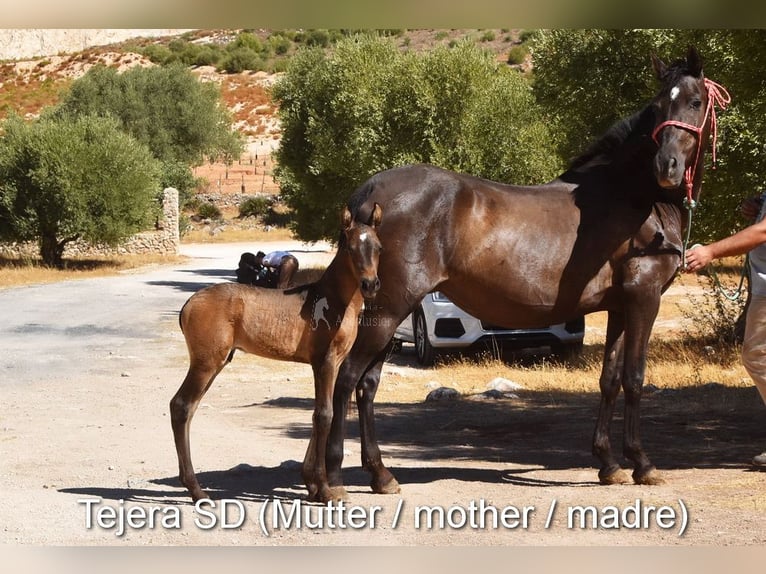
{"points": [[346, 219], [694, 62], [660, 69], [376, 216]]}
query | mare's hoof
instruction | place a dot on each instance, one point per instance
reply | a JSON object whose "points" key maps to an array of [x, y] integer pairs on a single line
{"points": [[618, 476], [391, 487], [650, 477]]}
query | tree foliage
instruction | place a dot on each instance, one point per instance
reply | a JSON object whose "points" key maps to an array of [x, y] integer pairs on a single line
{"points": [[369, 106], [67, 178], [179, 118], [588, 79]]}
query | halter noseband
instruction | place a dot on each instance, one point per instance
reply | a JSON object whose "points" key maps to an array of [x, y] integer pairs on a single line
{"points": [[717, 95]]}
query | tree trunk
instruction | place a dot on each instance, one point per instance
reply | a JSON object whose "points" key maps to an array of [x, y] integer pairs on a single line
{"points": [[52, 250]]}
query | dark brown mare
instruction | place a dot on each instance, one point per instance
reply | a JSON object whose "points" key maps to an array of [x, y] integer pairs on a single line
{"points": [[607, 235], [314, 323]]}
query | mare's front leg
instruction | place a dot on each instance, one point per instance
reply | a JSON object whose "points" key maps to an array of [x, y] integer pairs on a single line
{"points": [[361, 370], [383, 482], [641, 311], [609, 383]]}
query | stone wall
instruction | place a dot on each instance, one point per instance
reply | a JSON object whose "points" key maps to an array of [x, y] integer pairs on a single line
{"points": [[164, 240]]}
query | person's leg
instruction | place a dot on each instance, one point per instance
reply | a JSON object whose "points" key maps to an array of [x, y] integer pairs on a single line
{"points": [[754, 353]]}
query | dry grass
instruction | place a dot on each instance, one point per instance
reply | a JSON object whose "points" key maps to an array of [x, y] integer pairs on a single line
{"points": [[30, 271], [684, 353], [212, 234]]}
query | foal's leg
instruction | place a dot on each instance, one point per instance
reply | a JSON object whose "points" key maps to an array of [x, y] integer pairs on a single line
{"points": [[314, 468], [640, 316], [182, 408], [611, 378]]}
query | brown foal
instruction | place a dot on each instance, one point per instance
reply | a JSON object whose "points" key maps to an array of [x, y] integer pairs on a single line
{"points": [[315, 323]]}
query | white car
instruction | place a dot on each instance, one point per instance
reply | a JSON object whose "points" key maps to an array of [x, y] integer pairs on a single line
{"points": [[439, 324]]}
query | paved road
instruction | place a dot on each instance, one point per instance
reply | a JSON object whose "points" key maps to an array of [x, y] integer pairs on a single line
{"points": [[64, 330]]}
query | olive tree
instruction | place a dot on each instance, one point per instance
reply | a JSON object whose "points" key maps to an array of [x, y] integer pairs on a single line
{"points": [[179, 118], [369, 106], [65, 179], [588, 79]]}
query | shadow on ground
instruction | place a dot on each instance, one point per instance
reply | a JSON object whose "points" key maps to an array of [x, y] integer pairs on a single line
{"points": [[706, 427]]}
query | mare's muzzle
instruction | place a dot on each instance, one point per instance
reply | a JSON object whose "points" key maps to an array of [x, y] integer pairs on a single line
{"points": [[669, 167]]}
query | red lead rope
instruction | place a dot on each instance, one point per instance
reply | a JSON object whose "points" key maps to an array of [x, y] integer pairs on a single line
{"points": [[716, 96]]}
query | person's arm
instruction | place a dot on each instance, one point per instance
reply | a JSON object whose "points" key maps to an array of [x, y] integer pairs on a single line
{"points": [[737, 244]]}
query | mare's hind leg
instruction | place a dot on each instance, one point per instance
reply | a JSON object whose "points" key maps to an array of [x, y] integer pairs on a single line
{"points": [[182, 408], [611, 375], [639, 321]]}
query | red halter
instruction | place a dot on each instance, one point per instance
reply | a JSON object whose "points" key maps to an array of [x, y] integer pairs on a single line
{"points": [[717, 95]]}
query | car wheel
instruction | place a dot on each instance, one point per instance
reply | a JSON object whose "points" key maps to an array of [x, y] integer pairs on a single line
{"points": [[568, 352], [423, 349]]}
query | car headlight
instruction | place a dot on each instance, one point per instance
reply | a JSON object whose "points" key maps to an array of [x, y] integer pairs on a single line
{"points": [[439, 297]]}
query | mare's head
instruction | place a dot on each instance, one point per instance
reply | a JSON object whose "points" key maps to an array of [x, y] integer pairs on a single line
{"points": [[360, 240], [681, 129]]}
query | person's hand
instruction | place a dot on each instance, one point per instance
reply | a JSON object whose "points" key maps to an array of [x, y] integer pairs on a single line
{"points": [[697, 258], [750, 208]]}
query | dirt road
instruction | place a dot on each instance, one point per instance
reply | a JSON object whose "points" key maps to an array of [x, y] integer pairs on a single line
{"points": [[87, 457]]}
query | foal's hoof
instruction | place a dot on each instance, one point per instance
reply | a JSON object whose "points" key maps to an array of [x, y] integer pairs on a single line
{"points": [[650, 477], [337, 494], [618, 476], [390, 487], [201, 496], [327, 494]]}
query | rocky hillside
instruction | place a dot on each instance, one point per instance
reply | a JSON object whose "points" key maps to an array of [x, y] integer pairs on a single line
{"points": [[19, 44], [37, 65]]}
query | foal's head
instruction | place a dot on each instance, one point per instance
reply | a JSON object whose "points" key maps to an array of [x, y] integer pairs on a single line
{"points": [[362, 245], [682, 127]]}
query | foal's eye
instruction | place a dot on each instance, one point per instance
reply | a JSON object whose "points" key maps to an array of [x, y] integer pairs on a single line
{"points": [[696, 104]]}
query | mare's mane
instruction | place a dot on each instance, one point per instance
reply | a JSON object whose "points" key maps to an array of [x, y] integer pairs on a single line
{"points": [[628, 135]]}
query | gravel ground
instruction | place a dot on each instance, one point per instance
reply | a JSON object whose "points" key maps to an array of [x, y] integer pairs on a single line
{"points": [[87, 457]]}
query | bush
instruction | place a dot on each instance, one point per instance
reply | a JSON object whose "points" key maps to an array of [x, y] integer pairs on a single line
{"points": [[280, 45], [209, 211], [517, 55], [242, 59], [319, 38], [254, 206], [159, 54]]}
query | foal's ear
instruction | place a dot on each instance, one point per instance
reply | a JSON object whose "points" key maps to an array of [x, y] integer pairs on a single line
{"points": [[660, 69], [376, 216], [694, 62], [346, 219]]}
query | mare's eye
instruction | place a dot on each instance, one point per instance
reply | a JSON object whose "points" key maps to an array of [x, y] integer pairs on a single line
{"points": [[696, 104]]}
